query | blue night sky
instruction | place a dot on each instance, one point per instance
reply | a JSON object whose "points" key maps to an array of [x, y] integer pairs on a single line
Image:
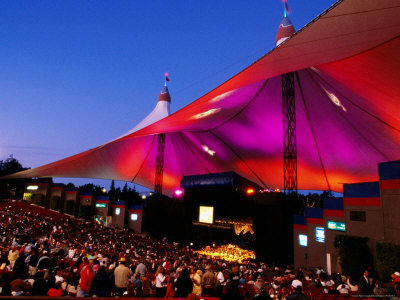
{"points": [[76, 74]]}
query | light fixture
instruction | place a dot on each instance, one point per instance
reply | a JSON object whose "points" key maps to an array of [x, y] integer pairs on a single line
{"points": [[206, 113], [208, 150], [178, 192], [32, 187], [250, 191]]}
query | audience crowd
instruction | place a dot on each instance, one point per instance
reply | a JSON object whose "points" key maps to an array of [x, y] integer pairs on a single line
{"points": [[51, 255]]}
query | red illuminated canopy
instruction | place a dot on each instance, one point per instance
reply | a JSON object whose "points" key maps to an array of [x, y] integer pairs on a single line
{"points": [[347, 85]]}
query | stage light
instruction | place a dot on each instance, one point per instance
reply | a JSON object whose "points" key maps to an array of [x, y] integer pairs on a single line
{"points": [[32, 187], [277, 190], [250, 191], [208, 150], [191, 244], [143, 197], [104, 190], [178, 192], [206, 113]]}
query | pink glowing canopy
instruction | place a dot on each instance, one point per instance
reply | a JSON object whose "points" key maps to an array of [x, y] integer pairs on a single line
{"points": [[347, 85]]}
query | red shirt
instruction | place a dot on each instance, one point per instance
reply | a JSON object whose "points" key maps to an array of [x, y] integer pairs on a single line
{"points": [[55, 292], [86, 278]]}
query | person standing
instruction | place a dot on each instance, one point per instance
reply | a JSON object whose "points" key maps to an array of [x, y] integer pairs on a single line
{"points": [[141, 269], [196, 278], [208, 282], [122, 274], [33, 260], [13, 254], [161, 282], [183, 284], [364, 285], [101, 285], [86, 279], [297, 287]]}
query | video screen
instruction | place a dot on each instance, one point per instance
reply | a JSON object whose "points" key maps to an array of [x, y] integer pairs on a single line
{"points": [[339, 226], [206, 214], [303, 240], [320, 234]]}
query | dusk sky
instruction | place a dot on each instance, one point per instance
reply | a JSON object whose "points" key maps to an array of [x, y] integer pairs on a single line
{"points": [[77, 74]]}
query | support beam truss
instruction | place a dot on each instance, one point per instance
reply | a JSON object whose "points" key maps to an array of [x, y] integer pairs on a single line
{"points": [[159, 163], [289, 134]]}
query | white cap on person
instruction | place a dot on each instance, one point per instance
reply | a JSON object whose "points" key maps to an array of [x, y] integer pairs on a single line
{"points": [[297, 284]]}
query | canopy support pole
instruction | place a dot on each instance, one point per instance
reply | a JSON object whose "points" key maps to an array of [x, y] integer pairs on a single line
{"points": [[289, 135], [159, 163]]}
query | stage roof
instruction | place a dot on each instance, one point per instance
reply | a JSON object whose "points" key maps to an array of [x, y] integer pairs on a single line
{"points": [[347, 85]]}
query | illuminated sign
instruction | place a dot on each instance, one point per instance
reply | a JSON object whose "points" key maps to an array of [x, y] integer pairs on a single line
{"points": [[32, 187], [134, 217], [206, 214], [339, 226], [320, 234], [101, 205], [117, 211], [303, 240]]}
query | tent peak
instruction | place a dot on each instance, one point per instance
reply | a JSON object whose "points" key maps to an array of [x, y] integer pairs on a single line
{"points": [[285, 30], [164, 95]]}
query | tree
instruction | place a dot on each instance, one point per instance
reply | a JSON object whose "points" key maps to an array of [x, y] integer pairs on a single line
{"points": [[327, 194], [13, 188], [10, 166], [112, 192], [112, 187], [70, 185], [96, 190], [388, 259], [355, 256]]}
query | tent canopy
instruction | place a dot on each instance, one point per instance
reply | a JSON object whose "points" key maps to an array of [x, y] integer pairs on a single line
{"points": [[347, 88]]}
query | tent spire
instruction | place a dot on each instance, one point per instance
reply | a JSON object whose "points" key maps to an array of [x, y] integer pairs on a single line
{"points": [[286, 28], [164, 94], [285, 8], [166, 78]]}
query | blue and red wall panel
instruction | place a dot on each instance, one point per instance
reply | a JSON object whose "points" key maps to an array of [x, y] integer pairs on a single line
{"points": [[299, 222], [389, 175], [315, 215], [361, 194], [333, 207]]}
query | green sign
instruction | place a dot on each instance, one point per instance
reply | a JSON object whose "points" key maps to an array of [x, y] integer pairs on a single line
{"points": [[101, 205], [339, 226]]}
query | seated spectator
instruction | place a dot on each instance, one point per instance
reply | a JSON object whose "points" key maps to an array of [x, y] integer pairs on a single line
{"points": [[20, 287], [40, 286], [56, 291], [343, 288]]}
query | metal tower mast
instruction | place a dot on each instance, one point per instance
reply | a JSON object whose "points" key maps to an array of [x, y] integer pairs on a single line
{"points": [[159, 163], [289, 134]]}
